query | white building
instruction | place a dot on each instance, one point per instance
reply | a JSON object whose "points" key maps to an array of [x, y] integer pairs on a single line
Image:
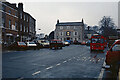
{"points": [[69, 31]]}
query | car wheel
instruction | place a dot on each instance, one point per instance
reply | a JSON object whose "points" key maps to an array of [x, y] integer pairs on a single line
{"points": [[60, 47], [91, 50]]}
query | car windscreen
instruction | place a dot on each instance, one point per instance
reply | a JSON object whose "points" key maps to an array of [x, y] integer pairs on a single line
{"points": [[31, 43], [21, 43], [116, 47], [53, 41], [97, 40]]}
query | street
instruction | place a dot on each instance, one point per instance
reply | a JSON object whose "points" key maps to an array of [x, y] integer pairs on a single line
{"points": [[74, 61]]}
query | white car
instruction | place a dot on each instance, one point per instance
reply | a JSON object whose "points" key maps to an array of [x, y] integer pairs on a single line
{"points": [[32, 45], [65, 43], [44, 43]]}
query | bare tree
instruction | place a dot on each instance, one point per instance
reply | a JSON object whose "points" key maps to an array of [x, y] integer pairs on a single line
{"points": [[107, 26]]}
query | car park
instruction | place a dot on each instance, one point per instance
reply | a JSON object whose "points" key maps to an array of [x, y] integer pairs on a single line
{"points": [[56, 44], [113, 54], [31, 45]]}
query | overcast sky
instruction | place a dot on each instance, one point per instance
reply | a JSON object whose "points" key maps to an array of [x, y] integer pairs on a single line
{"points": [[47, 13]]}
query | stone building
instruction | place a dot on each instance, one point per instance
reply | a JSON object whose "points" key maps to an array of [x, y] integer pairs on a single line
{"points": [[69, 31]]}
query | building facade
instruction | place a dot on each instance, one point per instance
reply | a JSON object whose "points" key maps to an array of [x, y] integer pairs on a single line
{"points": [[9, 22], [26, 25], [17, 25], [69, 31]]}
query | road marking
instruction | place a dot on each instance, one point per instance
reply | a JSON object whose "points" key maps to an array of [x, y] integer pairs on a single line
{"points": [[58, 64], [64, 61], [36, 73], [73, 57], [69, 59], [49, 67], [102, 72]]}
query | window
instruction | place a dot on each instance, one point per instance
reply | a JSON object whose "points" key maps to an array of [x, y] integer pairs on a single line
{"points": [[16, 14], [24, 16], [21, 15], [15, 25], [24, 27], [74, 27], [3, 22], [9, 11], [61, 33], [3, 8], [116, 47], [27, 18], [94, 40], [61, 27], [21, 27], [76, 33], [68, 33], [68, 27], [9, 24]]}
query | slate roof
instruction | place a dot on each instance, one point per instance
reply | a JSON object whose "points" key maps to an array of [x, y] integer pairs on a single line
{"points": [[70, 24], [90, 32]]}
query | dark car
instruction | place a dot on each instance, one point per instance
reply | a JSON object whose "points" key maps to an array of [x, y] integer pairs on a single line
{"points": [[76, 42], [113, 55], [56, 44], [17, 46], [39, 46]]}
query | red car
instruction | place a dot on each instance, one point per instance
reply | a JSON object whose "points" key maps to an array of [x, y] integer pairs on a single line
{"points": [[18, 46], [113, 55], [56, 44]]}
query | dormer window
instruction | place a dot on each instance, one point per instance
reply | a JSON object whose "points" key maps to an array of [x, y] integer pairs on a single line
{"points": [[61, 27]]}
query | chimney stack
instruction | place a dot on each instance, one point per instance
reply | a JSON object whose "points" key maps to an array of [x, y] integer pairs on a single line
{"points": [[20, 6]]}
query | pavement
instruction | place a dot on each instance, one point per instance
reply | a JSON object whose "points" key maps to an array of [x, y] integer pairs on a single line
{"points": [[119, 74]]}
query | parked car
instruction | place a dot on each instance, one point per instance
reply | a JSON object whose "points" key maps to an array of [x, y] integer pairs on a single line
{"points": [[44, 43], [76, 42], [65, 43], [83, 43], [17, 46], [113, 54], [88, 43], [31, 45], [55, 44], [39, 46]]}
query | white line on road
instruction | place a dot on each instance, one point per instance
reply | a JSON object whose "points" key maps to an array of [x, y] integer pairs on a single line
{"points": [[69, 59], [73, 57], [58, 64], [49, 67], [36, 73], [102, 72], [64, 61]]}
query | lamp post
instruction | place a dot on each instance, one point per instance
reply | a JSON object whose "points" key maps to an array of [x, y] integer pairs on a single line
{"points": [[38, 33]]}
